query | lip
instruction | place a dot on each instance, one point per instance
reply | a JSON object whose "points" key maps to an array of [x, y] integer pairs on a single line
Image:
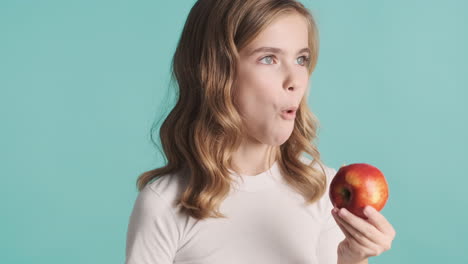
{"points": [[293, 108], [288, 116]]}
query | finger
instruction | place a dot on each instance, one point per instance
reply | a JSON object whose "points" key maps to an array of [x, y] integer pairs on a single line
{"points": [[352, 245], [366, 249], [338, 222], [355, 234], [379, 221], [361, 225]]}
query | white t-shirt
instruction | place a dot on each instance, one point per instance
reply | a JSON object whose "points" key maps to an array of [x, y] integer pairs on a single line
{"points": [[267, 223]]}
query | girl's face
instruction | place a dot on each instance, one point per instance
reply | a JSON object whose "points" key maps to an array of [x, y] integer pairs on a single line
{"points": [[272, 76]]}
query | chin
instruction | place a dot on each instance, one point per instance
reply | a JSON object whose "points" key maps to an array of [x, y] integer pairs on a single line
{"points": [[276, 139], [280, 140]]}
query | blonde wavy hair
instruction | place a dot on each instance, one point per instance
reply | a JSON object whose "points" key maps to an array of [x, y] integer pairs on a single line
{"points": [[204, 128]]}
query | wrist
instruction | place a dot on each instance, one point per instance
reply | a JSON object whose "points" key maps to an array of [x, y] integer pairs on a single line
{"points": [[344, 261]]}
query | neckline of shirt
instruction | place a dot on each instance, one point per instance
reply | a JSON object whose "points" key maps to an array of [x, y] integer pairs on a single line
{"points": [[258, 182]]}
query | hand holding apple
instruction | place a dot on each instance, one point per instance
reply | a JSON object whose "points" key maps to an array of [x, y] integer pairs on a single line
{"points": [[364, 238], [357, 185]]}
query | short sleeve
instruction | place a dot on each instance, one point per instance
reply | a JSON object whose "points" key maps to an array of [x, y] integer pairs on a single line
{"points": [[153, 234], [330, 233]]}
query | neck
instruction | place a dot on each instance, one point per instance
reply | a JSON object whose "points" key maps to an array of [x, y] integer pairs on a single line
{"points": [[253, 157]]}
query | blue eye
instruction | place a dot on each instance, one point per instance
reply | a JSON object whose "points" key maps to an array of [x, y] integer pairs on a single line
{"points": [[270, 56], [304, 61]]}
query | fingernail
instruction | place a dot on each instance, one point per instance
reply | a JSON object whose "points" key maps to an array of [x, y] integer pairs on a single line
{"points": [[335, 210], [343, 212], [368, 210]]}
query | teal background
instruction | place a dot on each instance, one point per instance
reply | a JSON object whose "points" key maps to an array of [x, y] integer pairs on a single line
{"points": [[83, 81]]}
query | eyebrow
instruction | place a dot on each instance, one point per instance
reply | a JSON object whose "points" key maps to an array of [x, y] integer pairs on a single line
{"points": [[275, 50]]}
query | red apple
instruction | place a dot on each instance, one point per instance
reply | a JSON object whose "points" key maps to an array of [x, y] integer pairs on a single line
{"points": [[357, 185]]}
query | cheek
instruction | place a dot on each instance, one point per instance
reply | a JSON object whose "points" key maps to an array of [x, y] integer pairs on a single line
{"points": [[256, 95], [258, 83]]}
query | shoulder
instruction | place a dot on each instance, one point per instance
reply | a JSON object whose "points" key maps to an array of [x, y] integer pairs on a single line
{"points": [[167, 188], [154, 229]]}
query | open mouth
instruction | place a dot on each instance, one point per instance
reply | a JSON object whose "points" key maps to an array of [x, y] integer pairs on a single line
{"points": [[288, 114], [289, 111]]}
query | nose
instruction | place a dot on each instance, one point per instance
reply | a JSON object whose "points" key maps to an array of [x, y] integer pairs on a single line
{"points": [[291, 81]]}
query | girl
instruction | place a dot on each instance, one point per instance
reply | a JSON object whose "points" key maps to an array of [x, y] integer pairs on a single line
{"points": [[236, 187]]}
